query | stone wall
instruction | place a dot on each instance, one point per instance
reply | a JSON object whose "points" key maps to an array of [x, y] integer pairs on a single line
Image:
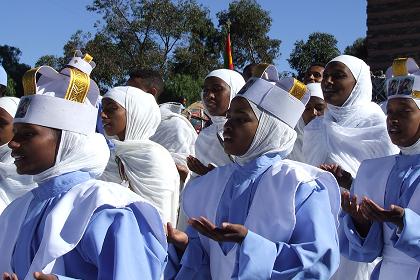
{"points": [[393, 30]]}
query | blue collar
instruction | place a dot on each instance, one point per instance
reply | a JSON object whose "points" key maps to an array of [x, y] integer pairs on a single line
{"points": [[255, 167], [59, 184]]}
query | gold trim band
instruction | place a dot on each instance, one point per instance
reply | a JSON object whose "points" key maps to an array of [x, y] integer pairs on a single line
{"points": [[298, 89], [399, 67], [29, 81], [78, 86]]}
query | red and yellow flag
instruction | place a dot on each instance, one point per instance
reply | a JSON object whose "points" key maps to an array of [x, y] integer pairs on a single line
{"points": [[228, 54]]}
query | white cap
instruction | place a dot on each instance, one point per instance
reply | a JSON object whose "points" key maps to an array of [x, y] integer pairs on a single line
{"points": [[267, 72], [64, 100], [404, 80], [3, 76], [9, 104], [284, 99], [315, 90], [82, 62]]}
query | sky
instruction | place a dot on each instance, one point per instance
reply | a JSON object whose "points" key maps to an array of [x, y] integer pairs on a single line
{"points": [[42, 27]]}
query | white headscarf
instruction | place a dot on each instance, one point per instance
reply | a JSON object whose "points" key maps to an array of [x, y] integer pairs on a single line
{"points": [[297, 152], [12, 185], [272, 136], [349, 134], [78, 152], [9, 104], [143, 115], [149, 168], [207, 147]]}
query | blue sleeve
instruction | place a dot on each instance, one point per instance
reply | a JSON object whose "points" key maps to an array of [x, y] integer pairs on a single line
{"points": [[408, 241], [312, 251], [356, 248], [194, 263], [120, 243]]}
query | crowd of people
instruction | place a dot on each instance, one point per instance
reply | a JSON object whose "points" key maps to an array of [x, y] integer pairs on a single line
{"points": [[289, 180]]}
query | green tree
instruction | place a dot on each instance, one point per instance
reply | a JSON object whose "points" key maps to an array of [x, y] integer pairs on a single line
{"points": [[358, 49], [9, 58], [320, 47], [249, 29], [182, 85], [147, 31], [49, 60], [202, 52]]}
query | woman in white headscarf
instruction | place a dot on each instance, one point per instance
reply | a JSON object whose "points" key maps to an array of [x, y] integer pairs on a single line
{"points": [[353, 129], [220, 86], [72, 224], [262, 217], [12, 185], [133, 116]]}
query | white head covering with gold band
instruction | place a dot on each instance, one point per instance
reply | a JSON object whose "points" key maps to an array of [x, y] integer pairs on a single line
{"points": [[62, 100], [277, 106], [404, 80], [65, 101], [285, 99]]}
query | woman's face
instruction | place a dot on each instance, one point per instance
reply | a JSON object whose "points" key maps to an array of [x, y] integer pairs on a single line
{"points": [[240, 128], [34, 147], [216, 96], [337, 83], [403, 121], [114, 118], [6, 127]]}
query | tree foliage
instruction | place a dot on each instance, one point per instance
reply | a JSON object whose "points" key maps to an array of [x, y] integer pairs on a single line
{"points": [[175, 37], [249, 29], [358, 49], [182, 85], [9, 58], [147, 32], [320, 47]]}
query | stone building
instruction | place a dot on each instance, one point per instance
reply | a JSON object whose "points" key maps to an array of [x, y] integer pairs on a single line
{"points": [[393, 30]]}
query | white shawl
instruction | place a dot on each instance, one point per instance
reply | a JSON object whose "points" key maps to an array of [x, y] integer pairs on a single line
{"points": [[349, 134], [148, 168], [176, 134]]}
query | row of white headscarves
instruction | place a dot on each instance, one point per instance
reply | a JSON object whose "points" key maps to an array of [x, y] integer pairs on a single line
{"points": [[148, 167], [349, 134], [208, 148], [12, 185]]}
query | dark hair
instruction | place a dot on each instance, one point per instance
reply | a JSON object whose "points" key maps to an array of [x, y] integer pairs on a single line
{"points": [[151, 77], [249, 70], [319, 64]]}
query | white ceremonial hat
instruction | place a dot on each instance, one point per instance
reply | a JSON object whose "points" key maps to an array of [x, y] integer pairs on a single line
{"points": [[3, 76], [404, 80], [285, 99], [64, 100], [267, 72], [402, 66], [315, 90], [82, 62]]}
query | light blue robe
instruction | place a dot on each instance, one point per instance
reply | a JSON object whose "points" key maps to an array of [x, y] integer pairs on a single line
{"points": [[117, 243], [311, 253], [402, 182]]}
